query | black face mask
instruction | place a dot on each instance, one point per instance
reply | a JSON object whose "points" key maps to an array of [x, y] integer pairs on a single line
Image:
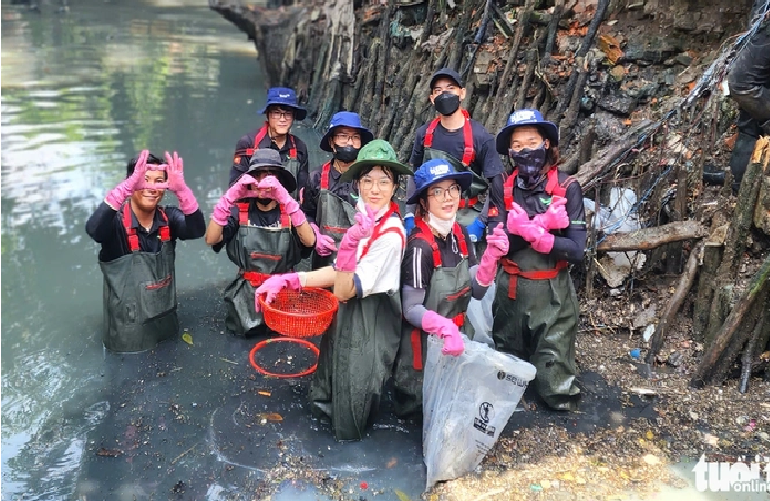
{"points": [[263, 201], [529, 163], [446, 103], [346, 154]]}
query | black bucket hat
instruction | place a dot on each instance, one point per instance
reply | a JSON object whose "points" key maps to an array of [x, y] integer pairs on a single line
{"points": [[269, 160]]}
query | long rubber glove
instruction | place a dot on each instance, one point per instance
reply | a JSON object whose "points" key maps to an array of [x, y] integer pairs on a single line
{"points": [[237, 191], [324, 244], [540, 239], [121, 192], [555, 217], [175, 174], [346, 257], [516, 218], [270, 187], [444, 328], [497, 247], [273, 285]]}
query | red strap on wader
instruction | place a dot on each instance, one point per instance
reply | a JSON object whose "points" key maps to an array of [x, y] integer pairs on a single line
{"points": [[515, 272], [325, 175], [164, 232], [468, 152], [260, 135], [379, 231], [416, 341], [255, 278], [243, 215], [552, 186], [427, 235]]}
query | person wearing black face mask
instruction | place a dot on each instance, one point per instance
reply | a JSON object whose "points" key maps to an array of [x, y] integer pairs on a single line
{"points": [[329, 202], [454, 136], [535, 309]]}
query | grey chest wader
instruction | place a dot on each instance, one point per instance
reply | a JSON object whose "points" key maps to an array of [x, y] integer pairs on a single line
{"points": [[140, 293], [470, 207], [357, 354], [259, 252], [448, 294], [334, 217], [536, 312], [291, 164]]}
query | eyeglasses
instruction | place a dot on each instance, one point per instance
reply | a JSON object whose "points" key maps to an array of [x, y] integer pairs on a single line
{"points": [[532, 145], [367, 183], [281, 114], [445, 193], [343, 138]]}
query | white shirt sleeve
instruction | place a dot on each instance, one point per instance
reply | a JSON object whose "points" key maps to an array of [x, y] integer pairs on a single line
{"points": [[380, 269]]}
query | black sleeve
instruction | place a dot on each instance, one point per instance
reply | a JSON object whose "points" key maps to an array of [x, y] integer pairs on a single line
{"points": [[496, 194], [418, 150], [488, 158], [310, 196], [184, 227], [229, 231], [572, 245], [472, 259], [417, 265], [302, 174], [240, 158], [305, 252], [101, 225]]}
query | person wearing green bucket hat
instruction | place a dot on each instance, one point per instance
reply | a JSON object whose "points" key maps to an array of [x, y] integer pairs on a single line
{"points": [[439, 275], [358, 350]]}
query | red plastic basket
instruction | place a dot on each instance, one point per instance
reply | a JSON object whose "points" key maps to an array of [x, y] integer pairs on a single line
{"points": [[303, 313]]}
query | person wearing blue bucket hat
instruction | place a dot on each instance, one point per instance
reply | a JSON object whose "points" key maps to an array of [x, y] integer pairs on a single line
{"points": [[535, 308], [328, 201], [453, 134], [282, 108], [439, 275]]}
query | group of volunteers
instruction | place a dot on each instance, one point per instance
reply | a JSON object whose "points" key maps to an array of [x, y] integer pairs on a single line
{"points": [[398, 277]]}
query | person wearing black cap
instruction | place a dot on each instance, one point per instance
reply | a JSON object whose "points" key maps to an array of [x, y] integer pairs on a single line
{"points": [[138, 242], [453, 134], [535, 308], [328, 202], [439, 275], [282, 108], [264, 235]]}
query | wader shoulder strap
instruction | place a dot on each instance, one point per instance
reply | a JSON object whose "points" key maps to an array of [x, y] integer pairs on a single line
{"points": [[427, 235], [325, 175], [164, 232], [293, 149], [379, 231], [514, 272], [552, 186], [243, 215], [258, 137], [468, 152]]}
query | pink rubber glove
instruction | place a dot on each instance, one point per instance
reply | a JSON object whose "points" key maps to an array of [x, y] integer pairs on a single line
{"points": [[273, 285], [237, 191], [435, 324], [270, 187], [175, 177], [516, 217], [497, 247], [346, 257], [121, 192], [324, 244], [555, 217], [538, 237]]}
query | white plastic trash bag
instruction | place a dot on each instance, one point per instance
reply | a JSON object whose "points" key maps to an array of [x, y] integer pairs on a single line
{"points": [[479, 314], [467, 401]]}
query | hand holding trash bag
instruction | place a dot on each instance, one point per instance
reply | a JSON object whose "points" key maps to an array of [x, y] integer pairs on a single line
{"points": [[324, 244], [121, 192], [517, 217], [445, 329], [346, 257], [555, 217], [176, 183], [237, 191], [497, 247], [273, 285]]}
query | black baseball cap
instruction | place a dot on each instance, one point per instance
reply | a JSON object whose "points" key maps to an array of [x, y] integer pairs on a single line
{"points": [[447, 73]]}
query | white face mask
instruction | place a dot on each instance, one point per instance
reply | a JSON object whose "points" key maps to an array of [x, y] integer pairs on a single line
{"points": [[361, 207], [442, 226]]}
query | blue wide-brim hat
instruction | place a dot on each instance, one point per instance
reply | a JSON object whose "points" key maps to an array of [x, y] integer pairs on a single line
{"points": [[520, 118], [433, 171], [345, 119], [283, 96]]}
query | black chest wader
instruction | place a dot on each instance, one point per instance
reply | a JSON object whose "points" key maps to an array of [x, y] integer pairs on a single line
{"points": [[139, 293], [536, 314], [259, 252], [357, 354], [448, 294], [334, 216]]}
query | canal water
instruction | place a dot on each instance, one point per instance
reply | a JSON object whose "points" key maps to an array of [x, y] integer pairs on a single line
{"points": [[83, 90]]}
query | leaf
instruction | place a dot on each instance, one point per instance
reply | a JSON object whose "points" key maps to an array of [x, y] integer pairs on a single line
{"points": [[270, 416], [265, 393], [401, 495], [187, 338]]}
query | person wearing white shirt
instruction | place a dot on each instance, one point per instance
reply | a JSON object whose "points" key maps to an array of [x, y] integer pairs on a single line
{"points": [[357, 352]]}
